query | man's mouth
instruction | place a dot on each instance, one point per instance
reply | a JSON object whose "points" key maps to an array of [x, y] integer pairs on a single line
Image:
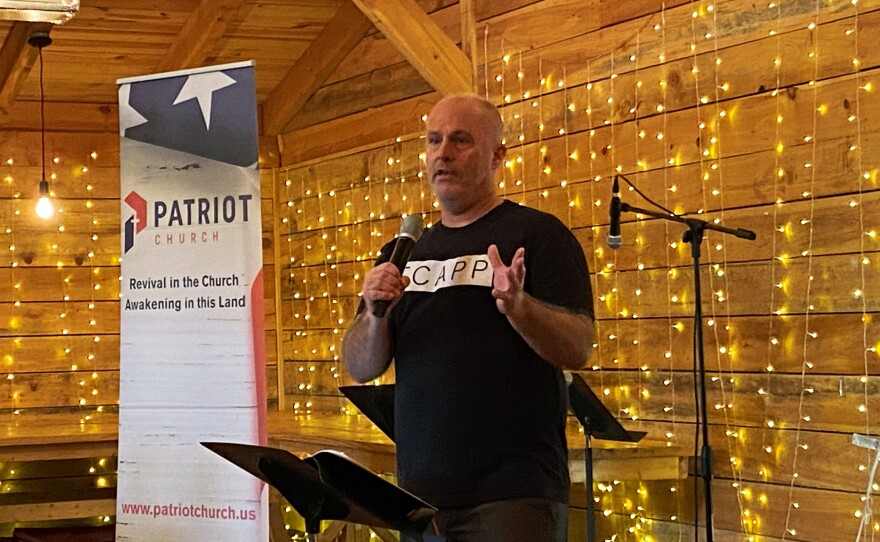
{"points": [[442, 172]]}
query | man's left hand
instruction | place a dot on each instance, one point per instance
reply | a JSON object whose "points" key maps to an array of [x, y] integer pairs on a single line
{"points": [[507, 281]]}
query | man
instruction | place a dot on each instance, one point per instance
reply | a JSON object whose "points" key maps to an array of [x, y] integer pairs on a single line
{"points": [[479, 345]]}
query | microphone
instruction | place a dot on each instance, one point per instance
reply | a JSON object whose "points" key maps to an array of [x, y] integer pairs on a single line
{"points": [[410, 231], [614, 239]]}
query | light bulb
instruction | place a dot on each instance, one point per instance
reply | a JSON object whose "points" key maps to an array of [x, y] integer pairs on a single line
{"points": [[45, 209]]}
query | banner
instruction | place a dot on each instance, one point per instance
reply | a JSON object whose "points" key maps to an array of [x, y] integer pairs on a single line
{"points": [[191, 303]]}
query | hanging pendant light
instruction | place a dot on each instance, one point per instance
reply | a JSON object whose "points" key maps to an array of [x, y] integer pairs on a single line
{"points": [[45, 209]]}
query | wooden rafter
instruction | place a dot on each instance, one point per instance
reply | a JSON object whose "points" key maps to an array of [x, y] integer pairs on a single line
{"points": [[469, 34], [341, 35], [76, 509], [199, 34], [16, 60], [422, 43]]}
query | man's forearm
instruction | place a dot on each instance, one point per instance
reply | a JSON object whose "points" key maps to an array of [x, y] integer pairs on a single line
{"points": [[563, 339], [366, 347]]}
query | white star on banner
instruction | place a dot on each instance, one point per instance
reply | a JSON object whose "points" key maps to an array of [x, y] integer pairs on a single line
{"points": [[202, 87], [128, 116]]}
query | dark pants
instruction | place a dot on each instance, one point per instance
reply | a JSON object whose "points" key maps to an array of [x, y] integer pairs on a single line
{"points": [[519, 520]]}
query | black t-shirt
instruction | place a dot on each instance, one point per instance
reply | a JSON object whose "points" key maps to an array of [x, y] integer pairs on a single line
{"points": [[479, 416]]}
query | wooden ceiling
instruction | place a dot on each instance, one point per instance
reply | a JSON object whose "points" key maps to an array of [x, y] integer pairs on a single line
{"points": [[297, 45]]}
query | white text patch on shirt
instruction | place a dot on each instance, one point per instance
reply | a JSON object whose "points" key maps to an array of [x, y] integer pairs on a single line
{"points": [[432, 275]]}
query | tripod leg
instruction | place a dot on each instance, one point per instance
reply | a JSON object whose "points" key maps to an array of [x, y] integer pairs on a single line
{"points": [[588, 475], [277, 532]]}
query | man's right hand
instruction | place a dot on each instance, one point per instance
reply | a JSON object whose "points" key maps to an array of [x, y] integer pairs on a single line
{"points": [[383, 283]]}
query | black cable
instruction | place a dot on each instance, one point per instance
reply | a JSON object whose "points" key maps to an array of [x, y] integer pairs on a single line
{"points": [[646, 198], [697, 461], [42, 118]]}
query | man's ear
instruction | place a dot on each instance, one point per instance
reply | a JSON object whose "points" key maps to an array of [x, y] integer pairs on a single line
{"points": [[498, 156]]}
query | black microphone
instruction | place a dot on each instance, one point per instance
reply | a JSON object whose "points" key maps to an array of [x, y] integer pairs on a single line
{"points": [[410, 231], [614, 239]]}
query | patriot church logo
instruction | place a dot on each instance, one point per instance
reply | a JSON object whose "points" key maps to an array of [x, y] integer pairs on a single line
{"points": [[186, 213], [135, 223]]}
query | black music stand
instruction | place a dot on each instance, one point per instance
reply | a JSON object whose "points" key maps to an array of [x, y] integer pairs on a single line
{"points": [[377, 402], [600, 423], [327, 485]]}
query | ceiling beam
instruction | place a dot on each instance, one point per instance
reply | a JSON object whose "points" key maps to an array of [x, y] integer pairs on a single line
{"points": [[335, 42], [469, 34], [195, 41], [370, 129], [16, 60], [422, 43]]}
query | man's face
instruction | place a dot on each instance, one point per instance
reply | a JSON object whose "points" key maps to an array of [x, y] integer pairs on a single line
{"points": [[462, 153]]}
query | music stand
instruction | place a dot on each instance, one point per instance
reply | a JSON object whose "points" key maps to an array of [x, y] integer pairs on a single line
{"points": [[376, 402], [328, 485], [598, 422]]}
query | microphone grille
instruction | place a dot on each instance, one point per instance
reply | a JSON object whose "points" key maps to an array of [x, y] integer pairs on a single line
{"points": [[614, 241], [412, 226]]}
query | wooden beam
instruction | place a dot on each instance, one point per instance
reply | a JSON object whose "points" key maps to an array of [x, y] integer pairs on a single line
{"points": [[335, 42], [16, 60], [422, 43], [63, 116], [469, 36], [57, 510], [60, 450], [371, 128], [384, 534], [628, 468], [193, 45], [333, 529]]}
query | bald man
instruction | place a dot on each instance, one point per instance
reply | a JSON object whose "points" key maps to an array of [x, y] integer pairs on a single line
{"points": [[493, 305]]}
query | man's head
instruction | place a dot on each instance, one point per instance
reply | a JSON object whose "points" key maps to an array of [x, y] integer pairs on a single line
{"points": [[464, 149]]}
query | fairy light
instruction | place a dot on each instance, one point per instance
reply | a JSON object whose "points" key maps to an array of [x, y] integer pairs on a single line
{"points": [[863, 177], [643, 391], [713, 150], [724, 353], [76, 380], [772, 350], [306, 304], [486, 62], [9, 358], [507, 173], [570, 155], [596, 262], [805, 345], [91, 358], [668, 190], [672, 327], [326, 208], [522, 129], [612, 126]]}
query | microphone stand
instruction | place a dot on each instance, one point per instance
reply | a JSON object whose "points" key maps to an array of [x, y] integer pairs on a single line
{"points": [[694, 236]]}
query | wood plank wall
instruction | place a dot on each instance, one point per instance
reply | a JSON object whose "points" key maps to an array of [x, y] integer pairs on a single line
{"points": [[761, 115], [59, 308], [59, 311]]}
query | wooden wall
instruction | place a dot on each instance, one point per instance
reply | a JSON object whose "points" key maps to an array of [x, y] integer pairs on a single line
{"points": [[762, 116], [59, 308]]}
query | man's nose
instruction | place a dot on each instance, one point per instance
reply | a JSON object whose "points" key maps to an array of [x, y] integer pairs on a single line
{"points": [[444, 149]]}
